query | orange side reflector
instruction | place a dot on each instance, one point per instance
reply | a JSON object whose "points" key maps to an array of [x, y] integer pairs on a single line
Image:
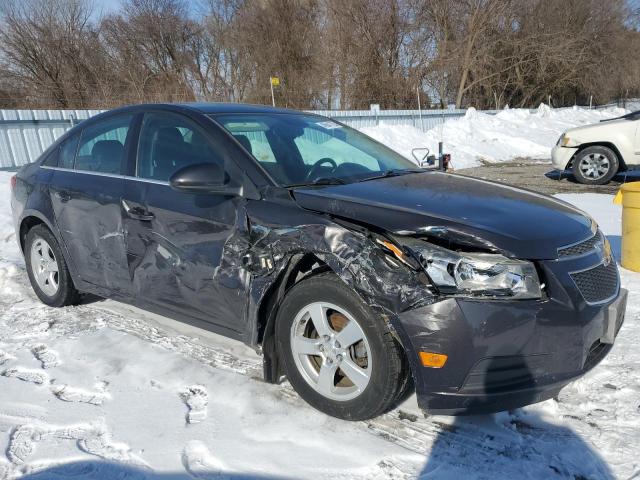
{"points": [[433, 360]]}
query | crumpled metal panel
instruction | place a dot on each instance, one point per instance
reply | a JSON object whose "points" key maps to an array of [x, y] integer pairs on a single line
{"points": [[385, 284]]}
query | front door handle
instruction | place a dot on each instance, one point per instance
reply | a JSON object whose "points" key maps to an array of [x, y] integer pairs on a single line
{"points": [[137, 213]]}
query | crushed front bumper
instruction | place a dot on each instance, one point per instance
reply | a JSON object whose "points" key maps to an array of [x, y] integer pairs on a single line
{"points": [[507, 354]]}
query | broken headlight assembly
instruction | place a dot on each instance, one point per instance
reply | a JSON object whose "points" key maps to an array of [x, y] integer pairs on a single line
{"points": [[475, 274]]}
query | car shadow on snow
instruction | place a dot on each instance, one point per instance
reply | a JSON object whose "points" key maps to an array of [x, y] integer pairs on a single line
{"points": [[622, 177], [514, 444], [104, 470]]}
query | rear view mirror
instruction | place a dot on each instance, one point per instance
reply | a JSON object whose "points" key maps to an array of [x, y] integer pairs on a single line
{"points": [[203, 178]]}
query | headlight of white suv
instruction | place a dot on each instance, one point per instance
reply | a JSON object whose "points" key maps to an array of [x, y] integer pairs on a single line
{"points": [[477, 274], [565, 141]]}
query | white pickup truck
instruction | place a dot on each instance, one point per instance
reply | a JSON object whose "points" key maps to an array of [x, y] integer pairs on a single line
{"points": [[595, 153]]}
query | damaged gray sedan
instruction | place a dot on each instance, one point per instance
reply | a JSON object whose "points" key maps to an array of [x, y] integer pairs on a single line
{"points": [[359, 276]]}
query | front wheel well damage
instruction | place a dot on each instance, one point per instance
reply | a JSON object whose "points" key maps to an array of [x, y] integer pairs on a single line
{"points": [[299, 268]]}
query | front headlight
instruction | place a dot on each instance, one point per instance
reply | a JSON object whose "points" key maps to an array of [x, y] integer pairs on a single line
{"points": [[484, 274], [565, 141]]}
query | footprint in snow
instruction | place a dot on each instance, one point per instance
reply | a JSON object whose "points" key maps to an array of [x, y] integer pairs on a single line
{"points": [[68, 393], [196, 398], [47, 357], [93, 438], [200, 463], [4, 358], [27, 375]]}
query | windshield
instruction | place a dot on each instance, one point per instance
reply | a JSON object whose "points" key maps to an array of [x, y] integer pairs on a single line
{"points": [[298, 149]]}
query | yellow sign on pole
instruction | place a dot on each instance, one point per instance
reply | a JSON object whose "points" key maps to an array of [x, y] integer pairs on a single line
{"points": [[273, 82]]}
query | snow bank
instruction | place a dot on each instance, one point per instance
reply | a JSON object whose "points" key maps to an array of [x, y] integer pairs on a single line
{"points": [[478, 136]]}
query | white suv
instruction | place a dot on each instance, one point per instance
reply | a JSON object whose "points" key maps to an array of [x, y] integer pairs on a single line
{"points": [[597, 152]]}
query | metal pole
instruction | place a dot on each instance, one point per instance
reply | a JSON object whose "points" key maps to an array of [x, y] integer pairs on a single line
{"points": [[590, 102], [273, 99], [419, 109]]}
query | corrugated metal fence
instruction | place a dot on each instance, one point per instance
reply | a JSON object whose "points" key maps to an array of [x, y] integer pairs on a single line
{"points": [[25, 134]]}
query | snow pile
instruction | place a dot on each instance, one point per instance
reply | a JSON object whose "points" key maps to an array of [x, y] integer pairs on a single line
{"points": [[478, 136], [103, 391]]}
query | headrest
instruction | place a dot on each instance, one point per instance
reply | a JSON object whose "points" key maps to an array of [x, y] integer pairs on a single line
{"points": [[169, 135], [107, 148]]}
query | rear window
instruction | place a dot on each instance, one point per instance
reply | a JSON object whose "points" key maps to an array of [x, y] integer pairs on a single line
{"points": [[102, 145]]}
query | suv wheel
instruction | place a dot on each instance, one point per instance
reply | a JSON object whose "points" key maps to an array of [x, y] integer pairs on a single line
{"points": [[47, 268], [336, 353], [595, 165]]}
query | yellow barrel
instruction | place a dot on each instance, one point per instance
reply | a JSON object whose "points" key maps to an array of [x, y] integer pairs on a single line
{"points": [[629, 196]]}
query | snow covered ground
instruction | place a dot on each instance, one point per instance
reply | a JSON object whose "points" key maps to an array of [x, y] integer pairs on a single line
{"points": [[104, 391], [478, 136]]}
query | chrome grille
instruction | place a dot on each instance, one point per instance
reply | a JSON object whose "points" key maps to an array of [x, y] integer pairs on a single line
{"points": [[582, 247], [598, 284]]}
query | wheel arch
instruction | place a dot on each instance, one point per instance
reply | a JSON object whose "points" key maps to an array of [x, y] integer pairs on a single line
{"points": [[31, 218], [299, 267], [622, 165]]}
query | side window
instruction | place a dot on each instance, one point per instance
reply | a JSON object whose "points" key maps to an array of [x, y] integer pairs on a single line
{"points": [[169, 142], [67, 152], [102, 145]]}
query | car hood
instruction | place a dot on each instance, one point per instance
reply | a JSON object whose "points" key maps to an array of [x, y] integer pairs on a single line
{"points": [[521, 223], [604, 126]]}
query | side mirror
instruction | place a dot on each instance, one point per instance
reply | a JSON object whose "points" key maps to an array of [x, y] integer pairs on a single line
{"points": [[203, 178]]}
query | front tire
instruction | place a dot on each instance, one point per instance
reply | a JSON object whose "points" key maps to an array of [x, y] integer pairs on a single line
{"points": [[47, 269], [337, 354], [595, 165]]}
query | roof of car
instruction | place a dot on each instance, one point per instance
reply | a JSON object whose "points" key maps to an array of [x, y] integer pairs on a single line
{"points": [[205, 107], [200, 107]]}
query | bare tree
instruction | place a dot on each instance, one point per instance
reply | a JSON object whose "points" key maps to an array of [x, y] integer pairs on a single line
{"points": [[327, 53], [48, 46]]}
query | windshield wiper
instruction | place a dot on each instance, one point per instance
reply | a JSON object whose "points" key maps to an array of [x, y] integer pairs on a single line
{"points": [[319, 181], [393, 173]]}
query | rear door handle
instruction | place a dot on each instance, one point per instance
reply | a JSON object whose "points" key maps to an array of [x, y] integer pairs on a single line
{"points": [[63, 195], [137, 213]]}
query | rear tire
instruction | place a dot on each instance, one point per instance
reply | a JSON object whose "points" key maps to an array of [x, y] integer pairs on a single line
{"points": [[47, 269], [362, 378], [595, 165]]}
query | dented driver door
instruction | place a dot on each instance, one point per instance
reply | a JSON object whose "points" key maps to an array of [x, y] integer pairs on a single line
{"points": [[175, 240], [175, 244]]}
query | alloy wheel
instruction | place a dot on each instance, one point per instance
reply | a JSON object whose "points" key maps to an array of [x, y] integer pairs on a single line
{"points": [[44, 267], [331, 351], [594, 165]]}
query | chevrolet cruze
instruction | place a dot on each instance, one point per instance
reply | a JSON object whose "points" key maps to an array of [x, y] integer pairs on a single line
{"points": [[359, 276]]}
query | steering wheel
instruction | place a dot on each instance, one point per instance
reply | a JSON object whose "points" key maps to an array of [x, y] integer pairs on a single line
{"points": [[316, 166]]}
